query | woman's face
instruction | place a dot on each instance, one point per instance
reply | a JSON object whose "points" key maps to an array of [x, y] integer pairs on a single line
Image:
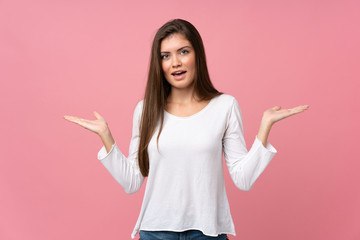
{"points": [[178, 61]]}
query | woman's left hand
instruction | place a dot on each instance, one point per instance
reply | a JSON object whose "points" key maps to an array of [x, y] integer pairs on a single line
{"points": [[275, 114]]}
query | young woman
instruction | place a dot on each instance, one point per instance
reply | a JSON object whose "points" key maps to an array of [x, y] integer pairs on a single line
{"points": [[180, 130]]}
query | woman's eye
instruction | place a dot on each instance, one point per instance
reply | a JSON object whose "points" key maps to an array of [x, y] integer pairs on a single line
{"points": [[164, 56], [184, 51]]}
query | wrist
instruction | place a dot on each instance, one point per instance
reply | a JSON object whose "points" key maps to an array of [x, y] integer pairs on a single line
{"points": [[106, 135], [266, 124], [107, 139]]}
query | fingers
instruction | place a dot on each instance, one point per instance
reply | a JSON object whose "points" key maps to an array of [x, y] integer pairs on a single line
{"points": [[276, 113], [76, 120], [73, 119], [70, 118], [87, 124], [300, 108]]}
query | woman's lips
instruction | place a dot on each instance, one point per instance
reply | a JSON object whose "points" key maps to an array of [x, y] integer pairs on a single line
{"points": [[179, 76]]}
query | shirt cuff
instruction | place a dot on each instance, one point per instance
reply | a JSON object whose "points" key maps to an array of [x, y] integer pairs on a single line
{"points": [[102, 154], [268, 147]]}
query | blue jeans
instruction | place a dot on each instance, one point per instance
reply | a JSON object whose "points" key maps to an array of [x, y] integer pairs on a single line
{"points": [[186, 235]]}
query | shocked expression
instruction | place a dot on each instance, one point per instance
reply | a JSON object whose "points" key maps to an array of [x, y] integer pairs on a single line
{"points": [[178, 61]]}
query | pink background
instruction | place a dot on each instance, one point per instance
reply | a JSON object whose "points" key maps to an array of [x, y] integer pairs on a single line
{"points": [[73, 57]]}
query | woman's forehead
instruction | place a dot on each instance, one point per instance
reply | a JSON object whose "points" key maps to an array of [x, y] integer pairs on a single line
{"points": [[173, 42]]}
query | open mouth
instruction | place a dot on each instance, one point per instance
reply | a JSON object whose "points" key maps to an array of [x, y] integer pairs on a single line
{"points": [[178, 73]]}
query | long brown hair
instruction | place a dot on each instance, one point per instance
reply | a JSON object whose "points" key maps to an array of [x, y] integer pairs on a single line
{"points": [[158, 89]]}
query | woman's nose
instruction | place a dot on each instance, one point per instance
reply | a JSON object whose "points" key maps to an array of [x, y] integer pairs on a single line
{"points": [[176, 62]]}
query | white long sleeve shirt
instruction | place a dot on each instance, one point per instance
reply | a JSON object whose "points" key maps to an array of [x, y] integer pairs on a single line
{"points": [[185, 188]]}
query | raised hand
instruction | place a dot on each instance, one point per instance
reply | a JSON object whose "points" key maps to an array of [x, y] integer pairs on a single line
{"points": [[275, 114], [98, 126]]}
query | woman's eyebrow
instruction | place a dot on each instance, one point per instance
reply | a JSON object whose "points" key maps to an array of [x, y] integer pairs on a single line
{"points": [[176, 50]]}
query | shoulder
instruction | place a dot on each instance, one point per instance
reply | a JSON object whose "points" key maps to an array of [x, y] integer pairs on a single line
{"points": [[226, 96], [226, 100], [229, 105], [138, 108], [139, 104], [224, 105]]}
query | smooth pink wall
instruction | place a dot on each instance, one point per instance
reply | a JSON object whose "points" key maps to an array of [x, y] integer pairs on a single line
{"points": [[73, 57]]}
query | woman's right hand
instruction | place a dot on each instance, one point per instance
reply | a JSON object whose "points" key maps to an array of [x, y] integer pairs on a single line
{"points": [[98, 126]]}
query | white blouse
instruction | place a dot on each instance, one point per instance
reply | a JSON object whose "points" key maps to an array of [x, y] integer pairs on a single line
{"points": [[185, 188]]}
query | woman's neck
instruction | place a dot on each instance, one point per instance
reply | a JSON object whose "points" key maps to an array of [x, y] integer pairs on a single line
{"points": [[182, 96]]}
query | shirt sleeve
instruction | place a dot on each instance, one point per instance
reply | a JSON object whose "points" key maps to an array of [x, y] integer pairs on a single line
{"points": [[125, 171], [244, 166]]}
